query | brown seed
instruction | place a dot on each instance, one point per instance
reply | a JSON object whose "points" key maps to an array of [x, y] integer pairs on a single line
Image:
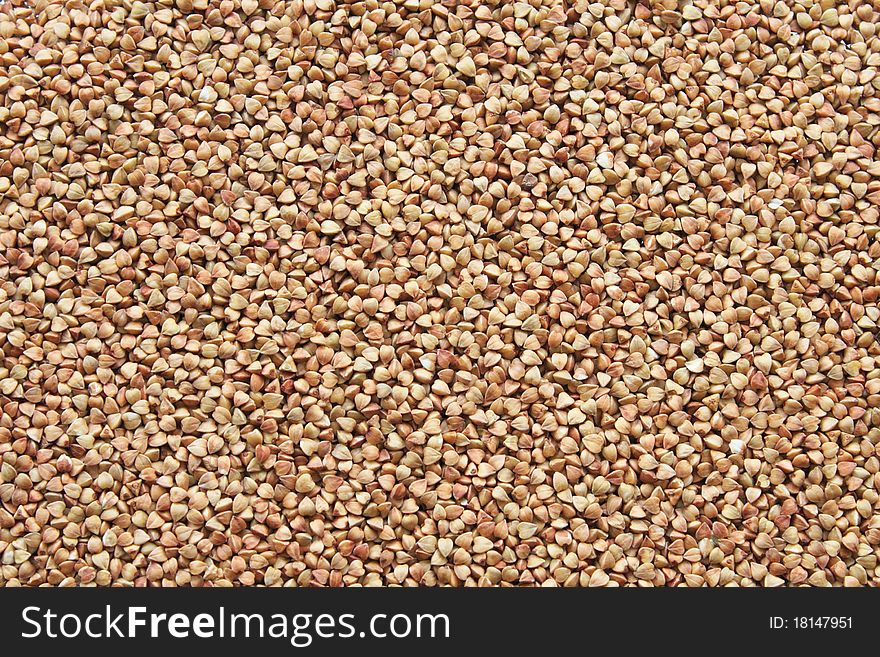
{"points": [[521, 295]]}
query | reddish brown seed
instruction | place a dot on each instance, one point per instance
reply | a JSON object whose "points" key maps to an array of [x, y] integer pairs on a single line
{"points": [[326, 293]]}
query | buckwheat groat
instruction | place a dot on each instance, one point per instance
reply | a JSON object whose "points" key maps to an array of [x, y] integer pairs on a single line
{"points": [[439, 293]]}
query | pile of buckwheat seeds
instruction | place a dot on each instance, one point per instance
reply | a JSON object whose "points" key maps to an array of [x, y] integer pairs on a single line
{"points": [[439, 293]]}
